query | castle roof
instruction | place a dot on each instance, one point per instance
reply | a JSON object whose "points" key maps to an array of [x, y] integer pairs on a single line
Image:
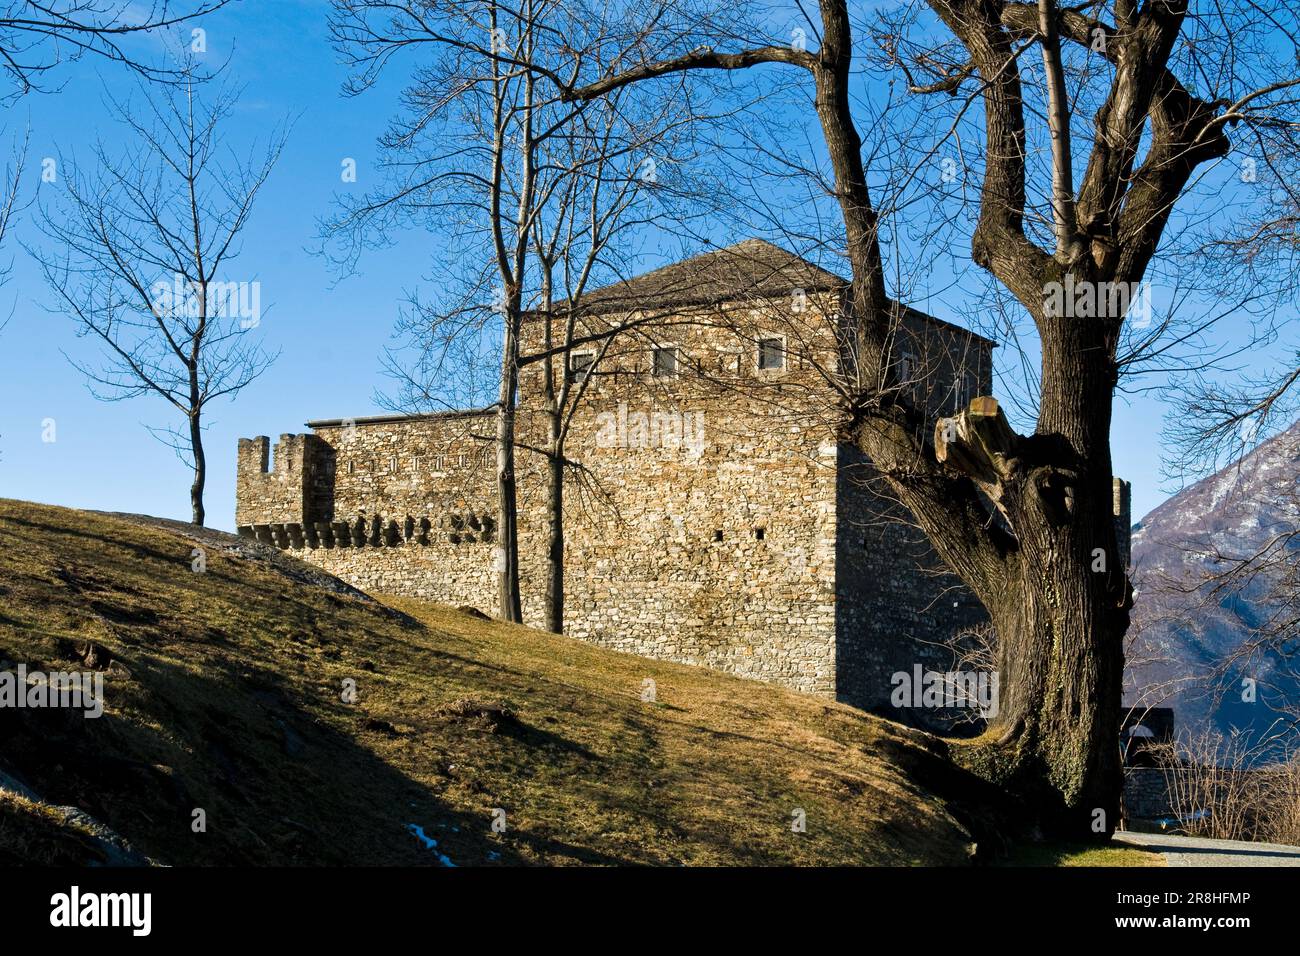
{"points": [[752, 269]]}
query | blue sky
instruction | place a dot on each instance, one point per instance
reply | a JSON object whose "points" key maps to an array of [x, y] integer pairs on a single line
{"points": [[331, 333]]}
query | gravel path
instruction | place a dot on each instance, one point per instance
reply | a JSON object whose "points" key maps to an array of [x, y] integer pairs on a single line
{"points": [[1200, 851]]}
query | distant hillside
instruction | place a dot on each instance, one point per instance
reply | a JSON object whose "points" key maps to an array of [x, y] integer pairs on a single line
{"points": [[224, 693], [1182, 630]]}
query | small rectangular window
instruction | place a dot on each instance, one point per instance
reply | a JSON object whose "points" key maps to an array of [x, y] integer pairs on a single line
{"points": [[665, 361], [580, 364], [906, 368], [771, 354]]}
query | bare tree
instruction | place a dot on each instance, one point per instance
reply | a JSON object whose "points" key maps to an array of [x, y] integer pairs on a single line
{"points": [[145, 244], [10, 200], [484, 163], [609, 174], [1231, 787], [36, 36], [533, 191], [1024, 520]]}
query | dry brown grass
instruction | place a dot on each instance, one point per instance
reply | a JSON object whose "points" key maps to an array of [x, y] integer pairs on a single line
{"points": [[231, 701]]}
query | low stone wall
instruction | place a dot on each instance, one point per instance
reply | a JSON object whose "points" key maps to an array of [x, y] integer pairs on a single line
{"points": [[1146, 793]]}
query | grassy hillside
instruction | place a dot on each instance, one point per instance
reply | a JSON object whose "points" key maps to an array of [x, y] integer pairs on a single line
{"points": [[224, 691]]}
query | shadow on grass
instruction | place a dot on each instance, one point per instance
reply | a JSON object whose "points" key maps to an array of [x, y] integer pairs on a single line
{"points": [[221, 742]]}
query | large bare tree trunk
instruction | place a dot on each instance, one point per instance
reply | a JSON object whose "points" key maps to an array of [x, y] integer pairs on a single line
{"points": [[1059, 599], [1060, 663], [1060, 625], [1045, 562]]}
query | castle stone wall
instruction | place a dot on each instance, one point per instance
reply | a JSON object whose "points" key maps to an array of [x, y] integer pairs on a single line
{"points": [[710, 516], [702, 529], [722, 557], [897, 605], [429, 483], [276, 492]]}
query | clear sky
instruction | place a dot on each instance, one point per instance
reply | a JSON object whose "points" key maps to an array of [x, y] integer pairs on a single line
{"points": [[331, 333]]}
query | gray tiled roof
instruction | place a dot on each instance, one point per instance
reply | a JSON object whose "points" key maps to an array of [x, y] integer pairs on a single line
{"points": [[753, 269], [749, 269]]}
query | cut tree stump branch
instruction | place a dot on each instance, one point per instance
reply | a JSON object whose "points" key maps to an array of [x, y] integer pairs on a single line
{"points": [[977, 442]]}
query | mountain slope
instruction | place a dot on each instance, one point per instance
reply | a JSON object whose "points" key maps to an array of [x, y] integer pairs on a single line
{"points": [[1184, 626], [223, 693]]}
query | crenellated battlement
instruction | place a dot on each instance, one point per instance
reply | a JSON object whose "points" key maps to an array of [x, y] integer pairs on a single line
{"points": [[1122, 509], [288, 492], [450, 528], [432, 468]]}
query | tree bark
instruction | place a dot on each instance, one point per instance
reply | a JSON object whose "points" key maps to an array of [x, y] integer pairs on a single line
{"points": [[195, 411], [507, 552], [555, 528], [1059, 599], [200, 471], [1055, 738]]}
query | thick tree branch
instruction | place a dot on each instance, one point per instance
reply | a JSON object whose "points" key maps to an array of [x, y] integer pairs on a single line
{"points": [[701, 59], [999, 243], [1058, 122]]}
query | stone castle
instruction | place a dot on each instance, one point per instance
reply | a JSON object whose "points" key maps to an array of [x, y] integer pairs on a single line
{"points": [[713, 515]]}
